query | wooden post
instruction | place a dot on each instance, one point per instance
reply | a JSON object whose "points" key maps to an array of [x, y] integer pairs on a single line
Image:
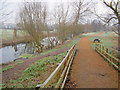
{"points": [[112, 55], [95, 46], [103, 49], [58, 74], [100, 48], [106, 52], [15, 32]]}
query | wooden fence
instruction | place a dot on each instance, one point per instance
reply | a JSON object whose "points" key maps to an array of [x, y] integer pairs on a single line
{"points": [[58, 77], [111, 55]]}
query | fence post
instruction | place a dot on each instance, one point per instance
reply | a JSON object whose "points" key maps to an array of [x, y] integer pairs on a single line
{"points": [[106, 52], [112, 55], [97, 46], [102, 49]]}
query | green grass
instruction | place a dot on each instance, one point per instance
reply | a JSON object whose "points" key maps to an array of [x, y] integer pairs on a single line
{"points": [[9, 34], [35, 73], [12, 66], [7, 68], [105, 38], [18, 62], [26, 56], [88, 34]]}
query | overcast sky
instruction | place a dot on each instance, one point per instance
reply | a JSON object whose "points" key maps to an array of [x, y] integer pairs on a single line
{"points": [[15, 4]]}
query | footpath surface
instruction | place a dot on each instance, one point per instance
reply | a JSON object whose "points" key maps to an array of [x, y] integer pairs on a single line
{"points": [[90, 70]]}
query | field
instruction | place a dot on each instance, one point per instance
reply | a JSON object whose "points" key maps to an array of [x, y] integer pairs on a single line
{"points": [[9, 34]]}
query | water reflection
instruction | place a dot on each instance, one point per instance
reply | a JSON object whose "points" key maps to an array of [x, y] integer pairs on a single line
{"points": [[15, 48], [11, 53]]}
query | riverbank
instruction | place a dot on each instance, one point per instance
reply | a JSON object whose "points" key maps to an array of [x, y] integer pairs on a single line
{"points": [[15, 41], [53, 56]]}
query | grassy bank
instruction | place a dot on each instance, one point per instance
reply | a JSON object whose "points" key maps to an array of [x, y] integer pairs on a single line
{"points": [[108, 39], [37, 73]]}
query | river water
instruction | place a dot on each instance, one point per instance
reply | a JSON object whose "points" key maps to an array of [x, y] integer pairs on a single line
{"points": [[10, 53]]}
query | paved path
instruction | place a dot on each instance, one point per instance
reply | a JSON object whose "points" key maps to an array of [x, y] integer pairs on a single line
{"points": [[90, 70]]}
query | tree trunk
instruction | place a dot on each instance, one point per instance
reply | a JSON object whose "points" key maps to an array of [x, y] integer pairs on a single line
{"points": [[15, 32], [119, 40]]}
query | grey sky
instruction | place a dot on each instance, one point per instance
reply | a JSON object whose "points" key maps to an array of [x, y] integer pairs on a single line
{"points": [[15, 4]]}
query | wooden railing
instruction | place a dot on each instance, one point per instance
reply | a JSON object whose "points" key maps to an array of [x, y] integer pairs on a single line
{"points": [[111, 55], [58, 77]]}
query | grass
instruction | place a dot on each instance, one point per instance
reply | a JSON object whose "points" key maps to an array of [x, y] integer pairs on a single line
{"points": [[9, 34], [12, 66], [106, 39], [7, 68], [26, 56], [36, 73], [88, 34]]}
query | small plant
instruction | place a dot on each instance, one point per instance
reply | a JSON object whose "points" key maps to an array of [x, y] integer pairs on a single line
{"points": [[12, 66], [18, 62], [26, 56], [7, 68]]}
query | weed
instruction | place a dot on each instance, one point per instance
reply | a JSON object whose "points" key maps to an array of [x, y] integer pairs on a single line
{"points": [[7, 68], [18, 62], [26, 56], [12, 66]]}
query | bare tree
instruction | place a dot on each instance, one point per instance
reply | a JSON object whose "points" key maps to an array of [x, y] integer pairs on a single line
{"points": [[114, 6], [4, 14], [33, 21], [80, 8], [112, 17], [68, 22], [61, 15]]}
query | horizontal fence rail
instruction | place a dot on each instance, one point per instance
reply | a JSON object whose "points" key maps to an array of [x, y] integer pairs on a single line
{"points": [[109, 54], [58, 77]]}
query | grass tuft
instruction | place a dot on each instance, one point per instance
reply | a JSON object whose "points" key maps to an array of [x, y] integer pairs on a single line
{"points": [[12, 66], [26, 56]]}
